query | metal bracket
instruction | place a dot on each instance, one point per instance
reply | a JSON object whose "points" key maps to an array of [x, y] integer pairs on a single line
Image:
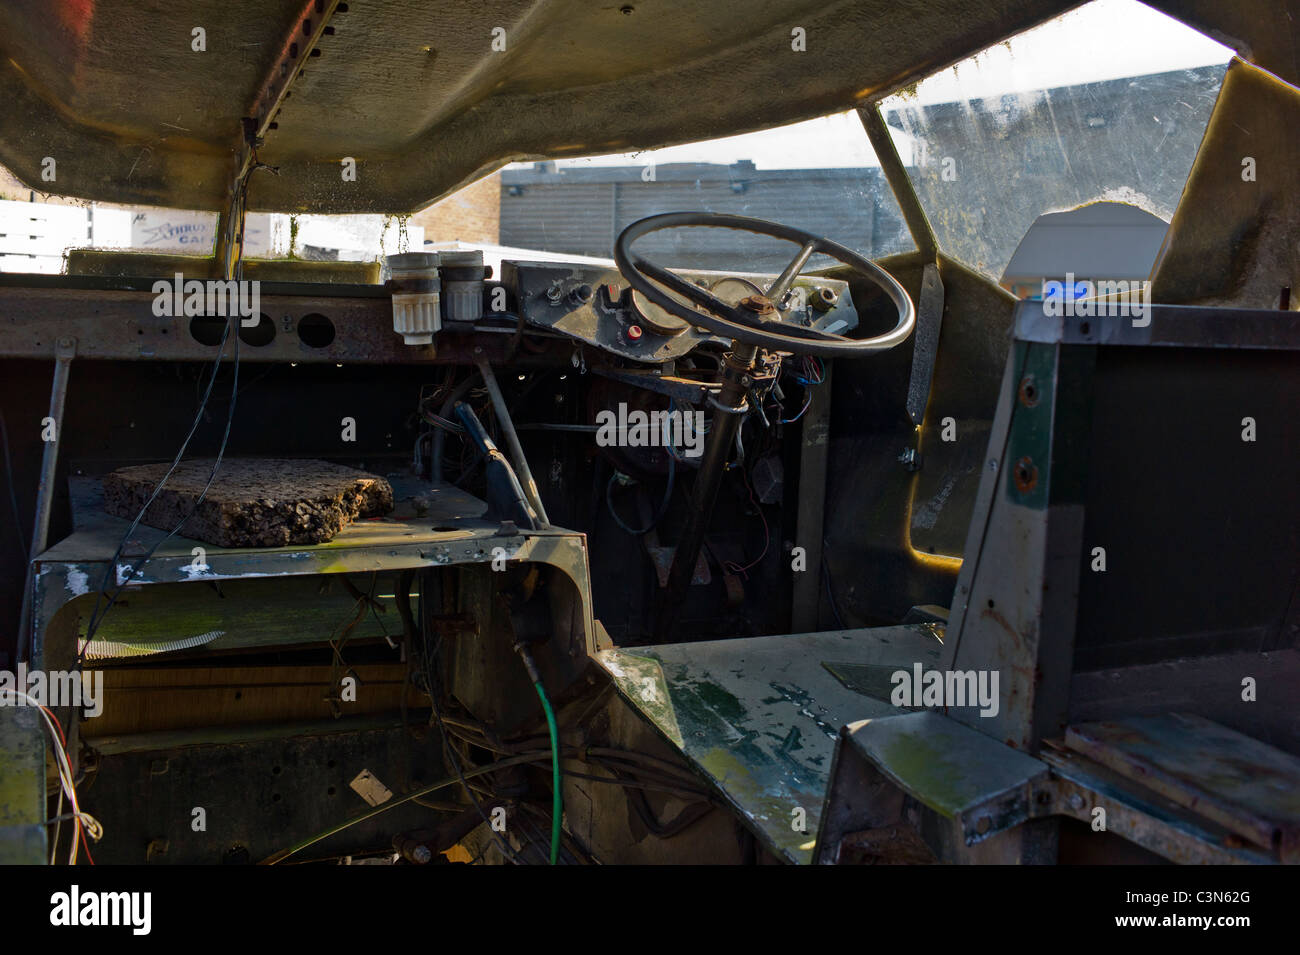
{"points": [[65, 351], [299, 46], [925, 342]]}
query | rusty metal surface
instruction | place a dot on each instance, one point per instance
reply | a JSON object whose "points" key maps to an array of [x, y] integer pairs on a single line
{"points": [[759, 717], [1240, 783], [121, 325], [547, 293], [1079, 786], [997, 621], [961, 774], [450, 531]]}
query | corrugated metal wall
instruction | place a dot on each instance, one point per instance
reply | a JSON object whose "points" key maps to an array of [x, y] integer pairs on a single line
{"points": [[581, 211]]}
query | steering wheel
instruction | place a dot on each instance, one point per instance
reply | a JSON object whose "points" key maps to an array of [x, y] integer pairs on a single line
{"points": [[756, 320]]}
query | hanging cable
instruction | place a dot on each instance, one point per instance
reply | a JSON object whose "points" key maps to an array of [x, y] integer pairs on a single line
{"points": [[84, 824], [426, 663], [557, 793], [11, 477], [396, 801], [234, 269], [663, 506], [732, 566]]}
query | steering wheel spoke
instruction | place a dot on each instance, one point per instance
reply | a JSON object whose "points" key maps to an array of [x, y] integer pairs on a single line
{"points": [[791, 272], [700, 296]]}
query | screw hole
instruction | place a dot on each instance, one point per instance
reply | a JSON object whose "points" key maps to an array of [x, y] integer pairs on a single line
{"points": [[263, 333], [316, 331], [207, 330]]}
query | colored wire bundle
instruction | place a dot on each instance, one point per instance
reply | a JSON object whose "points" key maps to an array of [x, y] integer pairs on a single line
{"points": [[84, 824]]}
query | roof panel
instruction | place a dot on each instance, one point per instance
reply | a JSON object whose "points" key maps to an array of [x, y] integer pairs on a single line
{"points": [[416, 93]]}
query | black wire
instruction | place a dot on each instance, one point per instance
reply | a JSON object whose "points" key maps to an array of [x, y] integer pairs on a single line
{"points": [[631, 782], [830, 595], [537, 839], [663, 506], [96, 617], [448, 749], [103, 587], [10, 479]]}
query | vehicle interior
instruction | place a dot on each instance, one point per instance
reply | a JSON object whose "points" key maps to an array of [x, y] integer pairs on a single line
{"points": [[642, 533]]}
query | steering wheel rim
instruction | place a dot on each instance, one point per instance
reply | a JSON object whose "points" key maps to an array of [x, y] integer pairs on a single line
{"points": [[744, 324]]}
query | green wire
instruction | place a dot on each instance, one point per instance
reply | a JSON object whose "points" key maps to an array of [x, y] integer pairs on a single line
{"points": [[557, 797]]}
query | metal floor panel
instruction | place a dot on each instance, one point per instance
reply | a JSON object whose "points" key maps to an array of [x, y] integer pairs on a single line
{"points": [[759, 717]]}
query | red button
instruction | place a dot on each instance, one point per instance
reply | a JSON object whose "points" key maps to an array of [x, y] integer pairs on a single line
{"points": [[634, 332]]}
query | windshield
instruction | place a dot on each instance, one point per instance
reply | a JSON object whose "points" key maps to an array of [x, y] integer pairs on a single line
{"points": [[820, 175], [38, 230], [1107, 103]]}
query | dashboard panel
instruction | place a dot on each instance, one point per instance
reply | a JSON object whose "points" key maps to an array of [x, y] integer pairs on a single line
{"points": [[597, 306]]}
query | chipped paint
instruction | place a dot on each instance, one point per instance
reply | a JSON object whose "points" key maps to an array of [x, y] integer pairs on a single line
{"points": [[759, 718], [76, 581]]}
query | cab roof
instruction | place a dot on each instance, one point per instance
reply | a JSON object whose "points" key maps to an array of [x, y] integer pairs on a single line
{"points": [[135, 105]]}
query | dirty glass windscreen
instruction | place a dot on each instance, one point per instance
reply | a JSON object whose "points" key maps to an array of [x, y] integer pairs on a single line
{"points": [[821, 176], [38, 230], [1103, 107]]}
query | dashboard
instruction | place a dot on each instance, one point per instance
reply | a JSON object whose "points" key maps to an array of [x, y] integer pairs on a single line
{"points": [[597, 306]]}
